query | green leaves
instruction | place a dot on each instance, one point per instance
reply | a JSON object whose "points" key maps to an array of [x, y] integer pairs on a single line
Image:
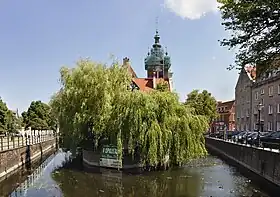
{"points": [[255, 27], [95, 100], [39, 116], [202, 103], [8, 120], [162, 86]]}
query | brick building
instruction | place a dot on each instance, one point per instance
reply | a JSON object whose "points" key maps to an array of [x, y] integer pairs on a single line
{"points": [[226, 119]]}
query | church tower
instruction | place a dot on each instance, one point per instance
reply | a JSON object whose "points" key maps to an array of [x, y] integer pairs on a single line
{"points": [[157, 62]]}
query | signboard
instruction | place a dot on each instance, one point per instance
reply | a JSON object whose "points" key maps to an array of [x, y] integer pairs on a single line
{"points": [[109, 157]]}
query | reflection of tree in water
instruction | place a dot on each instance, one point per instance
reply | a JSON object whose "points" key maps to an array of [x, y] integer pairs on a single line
{"points": [[167, 184]]}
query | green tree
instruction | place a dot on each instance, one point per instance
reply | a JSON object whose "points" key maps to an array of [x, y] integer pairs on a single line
{"points": [[3, 116], [203, 103], [95, 100], [9, 122], [162, 86], [254, 28], [38, 116]]}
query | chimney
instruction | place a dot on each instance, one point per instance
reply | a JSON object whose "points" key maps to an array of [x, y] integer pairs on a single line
{"points": [[154, 80], [126, 61]]}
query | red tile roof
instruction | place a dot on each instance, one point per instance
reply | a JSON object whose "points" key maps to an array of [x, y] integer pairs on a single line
{"points": [[146, 84], [251, 71]]}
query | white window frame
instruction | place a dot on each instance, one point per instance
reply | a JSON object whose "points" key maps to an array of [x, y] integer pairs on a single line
{"points": [[262, 91], [278, 108], [270, 109], [269, 126], [256, 95], [270, 91], [247, 112], [278, 126], [279, 89], [255, 126]]}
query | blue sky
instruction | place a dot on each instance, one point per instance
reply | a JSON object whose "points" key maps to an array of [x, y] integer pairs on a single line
{"points": [[38, 37]]}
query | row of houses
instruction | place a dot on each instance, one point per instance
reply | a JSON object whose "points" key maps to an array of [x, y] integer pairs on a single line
{"points": [[257, 100]]}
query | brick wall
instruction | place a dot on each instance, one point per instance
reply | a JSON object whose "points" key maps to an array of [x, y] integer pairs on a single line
{"points": [[14, 158]]}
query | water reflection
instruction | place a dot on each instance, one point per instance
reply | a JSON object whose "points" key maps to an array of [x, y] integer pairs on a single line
{"points": [[36, 181], [205, 177], [61, 176]]}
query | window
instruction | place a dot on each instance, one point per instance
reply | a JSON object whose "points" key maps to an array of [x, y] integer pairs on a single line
{"points": [[270, 109], [248, 99], [247, 112], [270, 91], [255, 126], [279, 89], [262, 91], [269, 126], [256, 95], [262, 101], [277, 126], [278, 108]]}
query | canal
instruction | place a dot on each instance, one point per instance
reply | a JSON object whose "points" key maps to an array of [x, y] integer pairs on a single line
{"points": [[57, 176]]}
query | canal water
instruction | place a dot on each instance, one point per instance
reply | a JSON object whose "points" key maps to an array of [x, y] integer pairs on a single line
{"points": [[58, 176]]}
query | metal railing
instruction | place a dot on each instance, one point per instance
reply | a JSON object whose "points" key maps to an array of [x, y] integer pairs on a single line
{"points": [[269, 146], [12, 142]]}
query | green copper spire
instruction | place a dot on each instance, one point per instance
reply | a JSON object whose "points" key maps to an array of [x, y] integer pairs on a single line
{"points": [[156, 37], [157, 60]]}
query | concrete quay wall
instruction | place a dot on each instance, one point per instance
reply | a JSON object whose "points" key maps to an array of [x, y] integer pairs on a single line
{"points": [[13, 159], [263, 163]]}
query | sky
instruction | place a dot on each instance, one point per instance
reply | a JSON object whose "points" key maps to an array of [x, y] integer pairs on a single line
{"points": [[37, 38]]}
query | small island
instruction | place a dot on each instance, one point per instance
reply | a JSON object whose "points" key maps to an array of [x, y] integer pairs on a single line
{"points": [[122, 121]]}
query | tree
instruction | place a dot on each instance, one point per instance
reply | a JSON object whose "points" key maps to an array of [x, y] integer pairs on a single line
{"points": [[9, 122], [38, 116], [255, 27], [162, 86], [3, 116], [95, 100], [203, 104]]}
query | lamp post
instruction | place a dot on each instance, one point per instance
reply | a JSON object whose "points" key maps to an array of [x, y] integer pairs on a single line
{"points": [[260, 106]]}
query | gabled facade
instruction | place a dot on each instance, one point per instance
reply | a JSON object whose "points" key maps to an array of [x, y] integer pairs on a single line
{"points": [[157, 65], [243, 99]]}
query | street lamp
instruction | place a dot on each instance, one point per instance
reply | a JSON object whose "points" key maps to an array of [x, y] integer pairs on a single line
{"points": [[260, 106]]}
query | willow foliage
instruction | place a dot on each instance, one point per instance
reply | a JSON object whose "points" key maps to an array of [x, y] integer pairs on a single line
{"points": [[96, 99]]}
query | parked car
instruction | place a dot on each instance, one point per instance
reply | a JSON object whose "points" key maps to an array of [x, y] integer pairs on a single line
{"points": [[231, 134], [252, 139], [271, 140], [238, 137]]}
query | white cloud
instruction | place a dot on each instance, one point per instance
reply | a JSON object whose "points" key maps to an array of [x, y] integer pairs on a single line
{"points": [[191, 9]]}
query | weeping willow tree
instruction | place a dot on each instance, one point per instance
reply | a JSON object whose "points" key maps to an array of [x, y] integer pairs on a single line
{"points": [[96, 100]]}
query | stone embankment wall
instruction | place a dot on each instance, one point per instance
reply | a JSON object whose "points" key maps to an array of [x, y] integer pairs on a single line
{"points": [[12, 159], [92, 159], [264, 163]]}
